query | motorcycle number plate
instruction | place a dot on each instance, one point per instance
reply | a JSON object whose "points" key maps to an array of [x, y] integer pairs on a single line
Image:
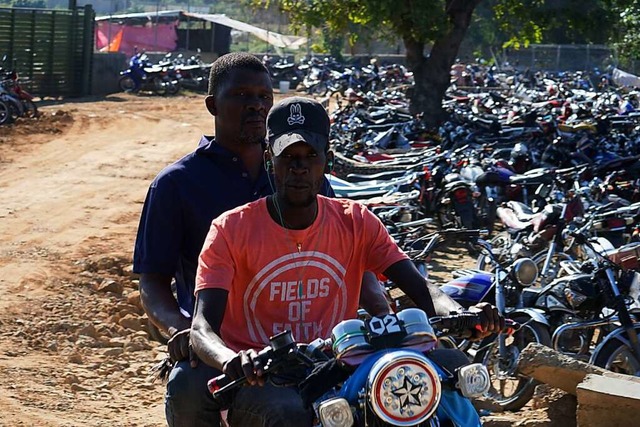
{"points": [[385, 330]]}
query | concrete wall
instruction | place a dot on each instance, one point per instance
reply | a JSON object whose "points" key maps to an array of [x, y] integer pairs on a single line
{"points": [[106, 72]]}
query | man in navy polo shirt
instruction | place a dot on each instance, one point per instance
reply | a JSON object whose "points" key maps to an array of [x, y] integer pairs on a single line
{"points": [[222, 173]]}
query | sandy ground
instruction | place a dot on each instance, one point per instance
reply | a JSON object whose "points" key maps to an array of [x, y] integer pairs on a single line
{"points": [[73, 346]]}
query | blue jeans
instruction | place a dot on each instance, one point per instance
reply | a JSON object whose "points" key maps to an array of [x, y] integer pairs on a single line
{"points": [[269, 406], [188, 402]]}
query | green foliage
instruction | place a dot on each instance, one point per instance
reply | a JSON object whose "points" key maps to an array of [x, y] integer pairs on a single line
{"points": [[627, 37], [555, 21], [422, 21]]}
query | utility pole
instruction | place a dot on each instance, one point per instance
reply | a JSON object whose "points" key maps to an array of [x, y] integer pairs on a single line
{"points": [[188, 23], [155, 41]]}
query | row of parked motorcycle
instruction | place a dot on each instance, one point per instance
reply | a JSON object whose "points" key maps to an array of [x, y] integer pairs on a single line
{"points": [[15, 102], [540, 182], [167, 76], [323, 76]]}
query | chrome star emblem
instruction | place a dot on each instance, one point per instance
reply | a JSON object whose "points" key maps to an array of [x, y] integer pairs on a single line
{"points": [[408, 393]]}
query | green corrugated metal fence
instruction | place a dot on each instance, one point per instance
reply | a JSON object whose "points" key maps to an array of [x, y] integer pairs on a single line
{"points": [[51, 49]]}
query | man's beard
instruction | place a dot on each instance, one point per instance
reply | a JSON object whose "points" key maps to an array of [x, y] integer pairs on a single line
{"points": [[251, 138]]}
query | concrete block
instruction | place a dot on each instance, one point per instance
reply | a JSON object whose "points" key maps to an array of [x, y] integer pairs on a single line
{"points": [[606, 401]]}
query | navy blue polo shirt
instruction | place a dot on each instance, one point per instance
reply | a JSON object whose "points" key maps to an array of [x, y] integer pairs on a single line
{"points": [[181, 203]]}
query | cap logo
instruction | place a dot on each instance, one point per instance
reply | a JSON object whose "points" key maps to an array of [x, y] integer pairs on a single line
{"points": [[296, 117]]}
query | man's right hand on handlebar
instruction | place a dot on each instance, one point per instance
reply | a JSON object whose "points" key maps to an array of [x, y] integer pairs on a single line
{"points": [[245, 363]]}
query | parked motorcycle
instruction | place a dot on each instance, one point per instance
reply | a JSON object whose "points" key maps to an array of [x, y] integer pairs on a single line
{"points": [[503, 288], [594, 312], [383, 371], [142, 75], [11, 85]]}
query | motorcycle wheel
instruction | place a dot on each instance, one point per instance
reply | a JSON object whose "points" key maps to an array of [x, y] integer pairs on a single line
{"points": [[30, 109], [172, 88], [554, 270], [126, 84], [618, 357], [510, 390], [159, 87], [5, 114]]}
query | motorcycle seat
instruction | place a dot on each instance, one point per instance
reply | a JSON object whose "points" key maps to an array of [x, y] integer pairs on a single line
{"points": [[283, 66], [532, 179], [510, 219], [523, 212], [357, 177]]}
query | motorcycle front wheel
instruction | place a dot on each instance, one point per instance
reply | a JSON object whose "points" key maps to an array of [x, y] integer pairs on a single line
{"points": [[126, 84], [5, 114], [616, 356], [509, 389]]}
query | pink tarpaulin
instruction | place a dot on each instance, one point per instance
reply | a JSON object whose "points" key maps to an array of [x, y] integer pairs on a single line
{"points": [[161, 37]]}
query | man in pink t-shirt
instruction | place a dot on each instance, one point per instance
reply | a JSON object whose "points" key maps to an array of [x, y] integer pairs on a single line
{"points": [[293, 261]]}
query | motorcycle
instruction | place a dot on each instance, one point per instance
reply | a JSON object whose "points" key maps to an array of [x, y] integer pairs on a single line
{"points": [[449, 196], [283, 70], [503, 287], [142, 75], [382, 371], [594, 312], [11, 85]]}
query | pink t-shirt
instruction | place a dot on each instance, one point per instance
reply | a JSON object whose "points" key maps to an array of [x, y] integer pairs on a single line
{"points": [[305, 281]]}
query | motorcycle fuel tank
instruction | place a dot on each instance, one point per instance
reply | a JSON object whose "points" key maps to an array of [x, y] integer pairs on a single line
{"points": [[470, 289]]}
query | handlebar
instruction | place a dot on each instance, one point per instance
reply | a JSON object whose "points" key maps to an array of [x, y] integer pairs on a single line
{"points": [[462, 324]]}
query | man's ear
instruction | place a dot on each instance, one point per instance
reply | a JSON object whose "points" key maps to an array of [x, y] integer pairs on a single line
{"points": [[268, 163], [210, 102]]}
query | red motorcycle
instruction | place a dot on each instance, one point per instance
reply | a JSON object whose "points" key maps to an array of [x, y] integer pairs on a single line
{"points": [[11, 84]]}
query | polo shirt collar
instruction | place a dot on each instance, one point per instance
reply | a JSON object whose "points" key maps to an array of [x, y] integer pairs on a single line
{"points": [[208, 146]]}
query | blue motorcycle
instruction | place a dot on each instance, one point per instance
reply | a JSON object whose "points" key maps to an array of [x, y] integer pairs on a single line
{"points": [[381, 371]]}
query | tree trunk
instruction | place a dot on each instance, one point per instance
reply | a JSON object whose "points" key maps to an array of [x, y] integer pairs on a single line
{"points": [[432, 74]]}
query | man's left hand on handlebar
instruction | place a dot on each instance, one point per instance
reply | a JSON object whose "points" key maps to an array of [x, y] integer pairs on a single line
{"points": [[491, 321], [245, 363]]}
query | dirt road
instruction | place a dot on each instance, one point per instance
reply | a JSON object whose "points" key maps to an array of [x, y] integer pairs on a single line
{"points": [[73, 350], [73, 346]]}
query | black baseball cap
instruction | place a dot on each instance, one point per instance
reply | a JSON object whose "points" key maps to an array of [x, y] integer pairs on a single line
{"points": [[297, 119]]}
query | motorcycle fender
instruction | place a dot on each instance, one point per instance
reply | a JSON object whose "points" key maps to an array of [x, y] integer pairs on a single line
{"points": [[535, 314], [617, 334]]}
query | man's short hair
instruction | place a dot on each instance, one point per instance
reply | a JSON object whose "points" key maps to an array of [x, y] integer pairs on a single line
{"points": [[222, 67]]}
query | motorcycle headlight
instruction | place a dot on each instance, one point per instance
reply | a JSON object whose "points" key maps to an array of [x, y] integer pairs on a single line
{"points": [[335, 413], [473, 380], [403, 388], [525, 271]]}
